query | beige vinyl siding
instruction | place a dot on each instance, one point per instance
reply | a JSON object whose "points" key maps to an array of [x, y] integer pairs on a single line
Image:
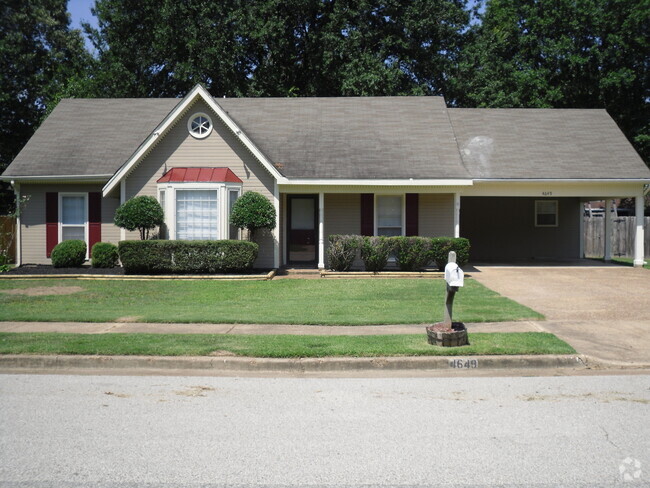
{"points": [[220, 149], [436, 214], [342, 216], [33, 219]]}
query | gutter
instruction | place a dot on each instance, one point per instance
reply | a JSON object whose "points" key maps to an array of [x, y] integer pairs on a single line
{"points": [[563, 180], [56, 178]]}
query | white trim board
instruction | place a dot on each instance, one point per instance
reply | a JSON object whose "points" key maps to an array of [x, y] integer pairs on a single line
{"points": [[162, 129]]}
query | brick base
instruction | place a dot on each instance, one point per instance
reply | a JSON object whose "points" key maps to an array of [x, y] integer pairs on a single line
{"points": [[454, 338]]}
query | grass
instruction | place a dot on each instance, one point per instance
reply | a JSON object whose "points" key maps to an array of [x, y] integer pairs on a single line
{"points": [[622, 261], [289, 301], [277, 346], [629, 262]]}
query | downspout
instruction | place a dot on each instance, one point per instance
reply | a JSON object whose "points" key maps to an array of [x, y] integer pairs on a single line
{"points": [[122, 200], [19, 242]]}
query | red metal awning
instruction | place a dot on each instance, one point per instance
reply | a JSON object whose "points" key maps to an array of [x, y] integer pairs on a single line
{"points": [[199, 175]]}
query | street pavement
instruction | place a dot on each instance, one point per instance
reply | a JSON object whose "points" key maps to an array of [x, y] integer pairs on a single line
{"points": [[83, 431]]}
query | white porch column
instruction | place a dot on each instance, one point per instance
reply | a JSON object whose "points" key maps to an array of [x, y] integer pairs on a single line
{"points": [[321, 230], [276, 230], [608, 229], [456, 214], [581, 213], [638, 237]]}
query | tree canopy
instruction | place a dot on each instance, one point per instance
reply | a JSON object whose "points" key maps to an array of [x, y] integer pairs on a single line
{"points": [[561, 54], [38, 53], [498, 53]]}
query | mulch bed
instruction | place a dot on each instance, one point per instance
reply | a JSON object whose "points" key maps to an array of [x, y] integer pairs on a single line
{"points": [[44, 269]]}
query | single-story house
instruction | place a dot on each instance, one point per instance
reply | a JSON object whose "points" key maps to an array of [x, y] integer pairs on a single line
{"points": [[513, 181]]}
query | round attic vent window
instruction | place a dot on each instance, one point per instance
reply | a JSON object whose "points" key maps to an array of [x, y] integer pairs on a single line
{"points": [[199, 125]]}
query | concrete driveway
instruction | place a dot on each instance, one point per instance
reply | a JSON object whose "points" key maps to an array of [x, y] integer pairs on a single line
{"points": [[601, 311]]}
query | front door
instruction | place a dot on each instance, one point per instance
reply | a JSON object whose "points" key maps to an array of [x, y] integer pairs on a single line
{"points": [[301, 231]]}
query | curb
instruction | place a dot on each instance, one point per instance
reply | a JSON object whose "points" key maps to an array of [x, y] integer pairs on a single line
{"points": [[16, 363]]}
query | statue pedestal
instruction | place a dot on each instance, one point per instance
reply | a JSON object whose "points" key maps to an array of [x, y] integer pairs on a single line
{"points": [[441, 334]]}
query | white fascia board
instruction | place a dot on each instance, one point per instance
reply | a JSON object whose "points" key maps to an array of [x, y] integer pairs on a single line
{"points": [[170, 120], [57, 178], [562, 180], [370, 182]]}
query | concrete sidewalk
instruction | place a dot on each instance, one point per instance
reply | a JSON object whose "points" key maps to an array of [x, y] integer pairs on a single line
{"points": [[242, 329]]}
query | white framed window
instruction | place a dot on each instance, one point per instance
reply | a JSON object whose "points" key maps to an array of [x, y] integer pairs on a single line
{"points": [[199, 125], [198, 210], [546, 213], [233, 195], [197, 214], [73, 216], [389, 215]]}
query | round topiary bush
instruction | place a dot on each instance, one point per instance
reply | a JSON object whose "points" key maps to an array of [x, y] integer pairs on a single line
{"points": [[143, 213], [69, 254], [253, 211], [104, 255]]}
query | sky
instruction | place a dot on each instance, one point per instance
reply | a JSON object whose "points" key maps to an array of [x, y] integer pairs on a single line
{"points": [[80, 11]]}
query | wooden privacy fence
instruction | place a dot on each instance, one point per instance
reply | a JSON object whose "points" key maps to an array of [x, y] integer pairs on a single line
{"points": [[8, 237], [623, 231]]}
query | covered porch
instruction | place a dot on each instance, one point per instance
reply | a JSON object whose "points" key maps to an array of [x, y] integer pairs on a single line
{"points": [[308, 215]]}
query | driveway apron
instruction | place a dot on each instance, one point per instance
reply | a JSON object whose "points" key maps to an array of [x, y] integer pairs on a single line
{"points": [[600, 311]]}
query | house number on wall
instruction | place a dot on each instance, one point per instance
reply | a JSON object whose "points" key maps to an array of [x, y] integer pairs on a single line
{"points": [[547, 193], [463, 363]]}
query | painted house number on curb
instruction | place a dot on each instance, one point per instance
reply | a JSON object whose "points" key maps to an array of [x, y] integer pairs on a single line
{"points": [[463, 363]]}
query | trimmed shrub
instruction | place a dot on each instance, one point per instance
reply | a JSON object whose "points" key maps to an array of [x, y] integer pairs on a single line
{"points": [[375, 252], [342, 251], [412, 253], [187, 257], [253, 211], [440, 247], [104, 255], [69, 254], [143, 213]]}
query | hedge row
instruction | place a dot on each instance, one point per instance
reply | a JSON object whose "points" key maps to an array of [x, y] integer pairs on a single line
{"points": [[187, 257], [411, 253]]}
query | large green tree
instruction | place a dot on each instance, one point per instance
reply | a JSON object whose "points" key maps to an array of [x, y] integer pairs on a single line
{"points": [[38, 54], [277, 47], [561, 53]]}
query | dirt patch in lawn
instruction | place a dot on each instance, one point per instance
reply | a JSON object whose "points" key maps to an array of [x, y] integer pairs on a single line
{"points": [[221, 352], [39, 291], [129, 319]]}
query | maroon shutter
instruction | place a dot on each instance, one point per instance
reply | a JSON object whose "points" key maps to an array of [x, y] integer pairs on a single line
{"points": [[412, 214], [51, 222], [94, 219], [367, 214]]}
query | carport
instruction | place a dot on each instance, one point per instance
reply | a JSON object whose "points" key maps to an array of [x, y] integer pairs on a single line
{"points": [[522, 228]]}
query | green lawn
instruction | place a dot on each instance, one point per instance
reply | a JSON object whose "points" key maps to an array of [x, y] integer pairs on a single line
{"points": [[276, 346], [630, 262], [288, 301]]}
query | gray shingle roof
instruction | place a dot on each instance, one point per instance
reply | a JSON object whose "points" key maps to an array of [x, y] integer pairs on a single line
{"points": [[350, 138], [544, 143], [371, 137], [89, 136]]}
